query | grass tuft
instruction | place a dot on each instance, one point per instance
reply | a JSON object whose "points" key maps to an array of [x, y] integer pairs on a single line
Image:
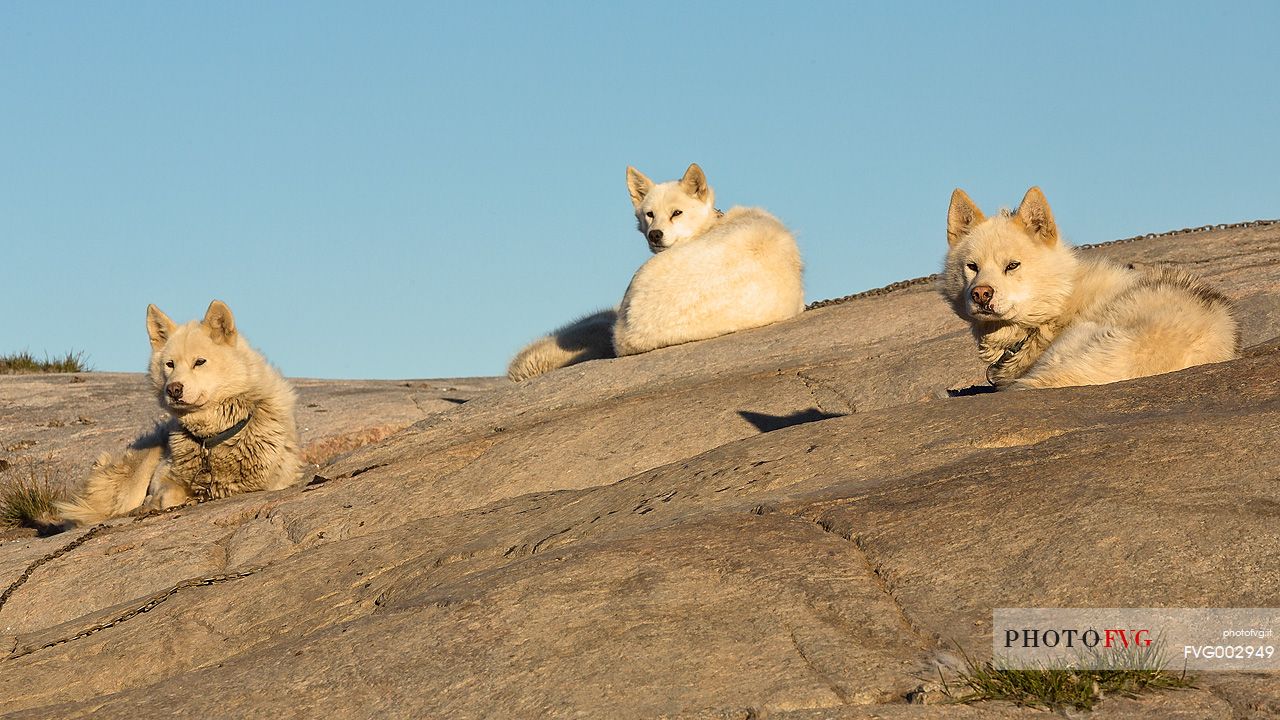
{"points": [[1060, 686], [28, 502], [24, 363]]}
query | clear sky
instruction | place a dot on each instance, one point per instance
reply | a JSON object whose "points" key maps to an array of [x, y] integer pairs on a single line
{"points": [[384, 190]]}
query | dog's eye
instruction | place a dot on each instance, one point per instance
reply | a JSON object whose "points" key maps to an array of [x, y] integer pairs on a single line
{"points": [[169, 364], [676, 213], [972, 266], [1012, 266], [199, 362], [649, 214]]}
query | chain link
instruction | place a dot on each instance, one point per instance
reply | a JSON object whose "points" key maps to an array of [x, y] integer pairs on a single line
{"points": [[26, 574], [140, 515], [147, 606], [1148, 236]]}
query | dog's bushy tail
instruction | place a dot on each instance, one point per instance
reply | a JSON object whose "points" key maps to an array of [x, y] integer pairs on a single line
{"points": [[117, 483], [588, 338]]}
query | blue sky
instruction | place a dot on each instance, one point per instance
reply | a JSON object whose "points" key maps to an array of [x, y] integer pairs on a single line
{"points": [[385, 190]]}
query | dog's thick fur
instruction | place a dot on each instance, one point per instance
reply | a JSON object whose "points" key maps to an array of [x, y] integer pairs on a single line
{"points": [[1044, 317], [209, 380], [587, 338], [712, 274]]}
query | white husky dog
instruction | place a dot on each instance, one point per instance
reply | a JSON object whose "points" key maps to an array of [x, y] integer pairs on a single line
{"points": [[712, 273], [231, 426], [1044, 317]]}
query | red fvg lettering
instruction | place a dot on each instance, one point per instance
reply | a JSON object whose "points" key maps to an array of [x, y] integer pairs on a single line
{"points": [[1069, 637], [1140, 638]]}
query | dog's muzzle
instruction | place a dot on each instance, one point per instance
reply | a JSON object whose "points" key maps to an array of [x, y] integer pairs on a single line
{"points": [[981, 299]]}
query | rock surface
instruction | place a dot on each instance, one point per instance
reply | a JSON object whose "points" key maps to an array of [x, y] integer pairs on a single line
{"points": [[53, 426], [793, 522]]}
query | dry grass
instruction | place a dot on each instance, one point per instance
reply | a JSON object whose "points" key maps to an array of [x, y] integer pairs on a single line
{"points": [[27, 501], [1059, 686], [25, 363]]}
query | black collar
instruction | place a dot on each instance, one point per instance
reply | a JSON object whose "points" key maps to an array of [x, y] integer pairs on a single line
{"points": [[225, 435]]}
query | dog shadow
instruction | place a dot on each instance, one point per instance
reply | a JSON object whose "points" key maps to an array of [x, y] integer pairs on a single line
{"points": [[768, 423], [971, 391]]}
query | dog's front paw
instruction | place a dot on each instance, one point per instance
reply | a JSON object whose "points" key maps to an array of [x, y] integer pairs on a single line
{"points": [[148, 507]]}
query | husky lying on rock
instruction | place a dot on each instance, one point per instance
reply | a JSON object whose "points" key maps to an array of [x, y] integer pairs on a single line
{"points": [[231, 427], [1044, 317], [712, 273]]}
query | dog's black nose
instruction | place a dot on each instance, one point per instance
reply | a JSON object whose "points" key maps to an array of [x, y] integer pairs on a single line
{"points": [[983, 294], [655, 236], [174, 389]]}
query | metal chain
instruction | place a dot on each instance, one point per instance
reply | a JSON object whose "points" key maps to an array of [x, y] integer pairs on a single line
{"points": [[147, 606], [1148, 236], [26, 574]]}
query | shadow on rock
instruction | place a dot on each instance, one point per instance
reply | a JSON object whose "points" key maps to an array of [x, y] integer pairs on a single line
{"points": [[971, 390], [768, 423]]}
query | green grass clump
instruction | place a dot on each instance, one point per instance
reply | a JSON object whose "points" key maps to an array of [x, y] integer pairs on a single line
{"points": [[1060, 686], [28, 502], [25, 362]]}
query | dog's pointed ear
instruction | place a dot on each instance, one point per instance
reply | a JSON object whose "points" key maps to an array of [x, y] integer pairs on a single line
{"points": [[694, 182], [638, 185], [1034, 213], [220, 322], [962, 216], [159, 327]]}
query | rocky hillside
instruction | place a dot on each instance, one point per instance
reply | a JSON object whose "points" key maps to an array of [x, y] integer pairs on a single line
{"points": [[793, 522], [53, 426]]}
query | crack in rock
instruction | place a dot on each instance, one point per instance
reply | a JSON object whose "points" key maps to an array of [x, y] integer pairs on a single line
{"points": [[813, 385], [881, 576], [826, 678]]}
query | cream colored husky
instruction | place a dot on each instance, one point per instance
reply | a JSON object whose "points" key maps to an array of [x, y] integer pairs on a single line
{"points": [[712, 274], [1044, 317], [231, 428]]}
